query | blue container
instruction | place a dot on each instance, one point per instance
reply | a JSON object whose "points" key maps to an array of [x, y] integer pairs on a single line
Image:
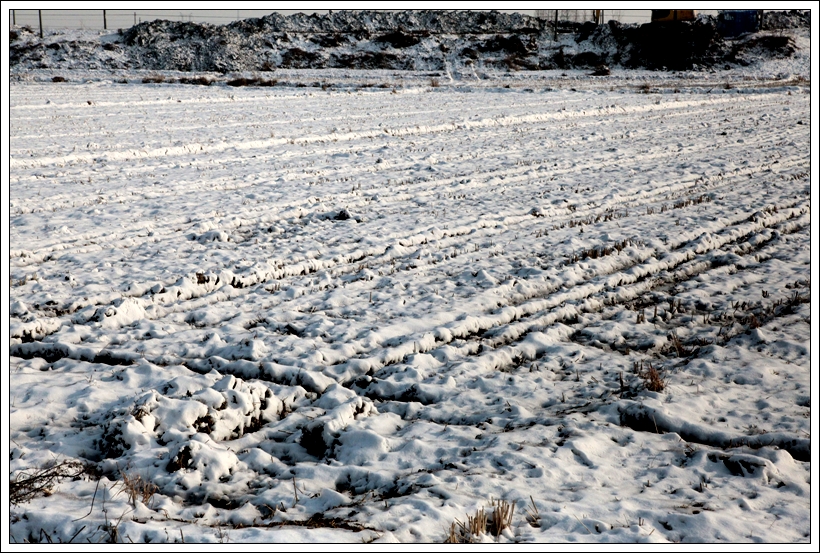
{"points": [[732, 23]]}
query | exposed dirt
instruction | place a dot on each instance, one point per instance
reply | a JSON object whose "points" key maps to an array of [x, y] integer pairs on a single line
{"points": [[403, 40]]}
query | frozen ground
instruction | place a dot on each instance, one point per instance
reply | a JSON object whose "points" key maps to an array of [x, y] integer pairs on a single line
{"points": [[362, 314]]}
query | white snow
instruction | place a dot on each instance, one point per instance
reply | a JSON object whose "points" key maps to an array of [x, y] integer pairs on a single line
{"points": [[361, 314]]}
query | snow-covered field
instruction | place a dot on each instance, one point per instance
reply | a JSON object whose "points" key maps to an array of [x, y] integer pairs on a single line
{"points": [[346, 313]]}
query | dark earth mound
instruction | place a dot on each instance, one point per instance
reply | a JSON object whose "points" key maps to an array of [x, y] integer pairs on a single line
{"points": [[791, 19], [401, 40]]}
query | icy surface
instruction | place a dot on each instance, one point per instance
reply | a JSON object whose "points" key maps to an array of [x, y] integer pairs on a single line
{"points": [[361, 313]]}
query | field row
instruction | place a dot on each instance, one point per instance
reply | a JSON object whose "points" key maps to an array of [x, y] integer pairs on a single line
{"points": [[401, 294]]}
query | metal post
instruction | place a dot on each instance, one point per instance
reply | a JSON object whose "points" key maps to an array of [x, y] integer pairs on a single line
{"points": [[13, 18], [135, 18], [555, 28], [105, 21], [40, 15]]}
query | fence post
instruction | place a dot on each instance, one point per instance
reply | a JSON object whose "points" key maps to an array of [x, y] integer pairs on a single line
{"points": [[40, 15], [105, 21], [555, 28], [13, 18]]}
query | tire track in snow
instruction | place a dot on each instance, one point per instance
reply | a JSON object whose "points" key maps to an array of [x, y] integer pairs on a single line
{"points": [[527, 308], [196, 147], [506, 220], [313, 267], [511, 177]]}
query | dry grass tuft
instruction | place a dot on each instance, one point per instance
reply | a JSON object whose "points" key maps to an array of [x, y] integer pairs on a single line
{"points": [[201, 80], [153, 79], [502, 516], [136, 488], [754, 322], [480, 523], [533, 516], [454, 535], [652, 379], [680, 349], [241, 81], [477, 524], [703, 198], [29, 484], [468, 533], [254, 81]]}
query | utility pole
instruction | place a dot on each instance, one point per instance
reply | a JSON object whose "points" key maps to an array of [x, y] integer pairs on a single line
{"points": [[105, 21], [40, 15]]}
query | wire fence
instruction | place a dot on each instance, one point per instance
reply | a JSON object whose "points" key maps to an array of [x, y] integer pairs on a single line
{"points": [[120, 19], [598, 16]]}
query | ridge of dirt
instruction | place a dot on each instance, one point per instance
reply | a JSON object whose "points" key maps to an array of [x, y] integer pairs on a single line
{"points": [[419, 40]]}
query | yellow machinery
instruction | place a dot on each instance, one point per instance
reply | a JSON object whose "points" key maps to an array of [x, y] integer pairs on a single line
{"points": [[666, 16]]}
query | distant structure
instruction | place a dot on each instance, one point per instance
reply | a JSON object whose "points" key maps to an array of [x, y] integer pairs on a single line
{"points": [[734, 23], [580, 16]]}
